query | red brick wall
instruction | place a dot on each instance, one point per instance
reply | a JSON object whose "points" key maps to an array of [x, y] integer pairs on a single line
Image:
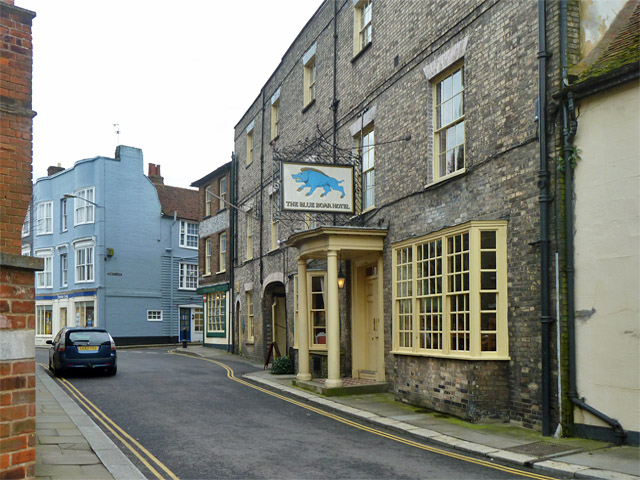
{"points": [[16, 60], [17, 305]]}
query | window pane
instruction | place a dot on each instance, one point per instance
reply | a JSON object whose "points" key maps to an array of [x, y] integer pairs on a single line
{"points": [[488, 281], [457, 81], [488, 260], [457, 106], [487, 239]]}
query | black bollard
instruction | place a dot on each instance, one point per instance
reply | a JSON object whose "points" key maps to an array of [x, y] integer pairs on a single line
{"points": [[184, 338]]}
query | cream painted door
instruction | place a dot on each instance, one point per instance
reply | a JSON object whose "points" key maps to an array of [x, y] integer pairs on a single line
{"points": [[279, 319], [372, 327]]}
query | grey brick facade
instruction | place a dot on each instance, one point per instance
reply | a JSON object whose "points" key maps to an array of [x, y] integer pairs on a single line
{"points": [[413, 43]]}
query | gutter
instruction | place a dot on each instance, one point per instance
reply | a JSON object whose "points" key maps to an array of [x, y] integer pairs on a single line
{"points": [[569, 128]]}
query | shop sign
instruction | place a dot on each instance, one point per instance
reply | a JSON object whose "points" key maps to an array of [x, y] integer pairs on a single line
{"points": [[313, 187]]}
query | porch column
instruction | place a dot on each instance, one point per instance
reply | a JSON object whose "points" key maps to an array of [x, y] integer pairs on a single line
{"points": [[333, 322], [302, 328]]}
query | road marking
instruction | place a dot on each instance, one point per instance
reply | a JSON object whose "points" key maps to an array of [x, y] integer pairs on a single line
{"points": [[116, 430], [381, 433]]}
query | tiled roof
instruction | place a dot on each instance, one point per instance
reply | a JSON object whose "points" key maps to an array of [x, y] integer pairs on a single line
{"points": [[619, 47], [181, 200]]}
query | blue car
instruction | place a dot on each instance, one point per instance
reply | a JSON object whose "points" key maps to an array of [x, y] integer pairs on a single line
{"points": [[82, 348]]}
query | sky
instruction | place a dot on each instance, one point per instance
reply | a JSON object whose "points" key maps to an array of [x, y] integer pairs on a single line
{"points": [[175, 76]]}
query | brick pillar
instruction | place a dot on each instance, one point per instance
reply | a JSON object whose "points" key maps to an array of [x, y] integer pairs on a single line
{"points": [[17, 304]]}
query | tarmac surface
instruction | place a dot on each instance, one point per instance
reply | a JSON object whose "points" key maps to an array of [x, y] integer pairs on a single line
{"points": [[70, 445]]}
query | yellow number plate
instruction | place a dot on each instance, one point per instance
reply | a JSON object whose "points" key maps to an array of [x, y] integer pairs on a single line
{"points": [[88, 349]]}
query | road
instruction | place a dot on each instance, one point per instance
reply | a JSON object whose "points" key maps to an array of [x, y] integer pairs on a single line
{"points": [[202, 425]]}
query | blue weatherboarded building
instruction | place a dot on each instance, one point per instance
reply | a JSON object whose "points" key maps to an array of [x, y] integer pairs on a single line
{"points": [[120, 251]]}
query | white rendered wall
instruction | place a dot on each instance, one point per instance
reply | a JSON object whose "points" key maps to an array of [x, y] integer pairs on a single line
{"points": [[607, 255]]}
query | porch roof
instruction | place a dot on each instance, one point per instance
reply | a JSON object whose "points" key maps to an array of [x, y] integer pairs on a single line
{"points": [[350, 242]]}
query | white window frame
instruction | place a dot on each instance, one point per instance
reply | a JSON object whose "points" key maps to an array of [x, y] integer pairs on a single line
{"points": [[216, 312], [452, 129], [84, 260], [222, 190], [408, 293], [275, 223], [362, 15], [222, 247], [44, 218], [84, 210], [26, 250], [154, 315], [309, 76], [188, 277], [250, 319], [44, 278], [207, 256], [314, 311], [249, 147], [275, 119], [365, 144], [249, 237], [64, 217], [64, 269], [26, 226], [188, 234], [208, 199], [41, 319]]}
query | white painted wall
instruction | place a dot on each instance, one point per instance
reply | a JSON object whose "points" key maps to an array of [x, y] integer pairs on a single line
{"points": [[607, 255]]}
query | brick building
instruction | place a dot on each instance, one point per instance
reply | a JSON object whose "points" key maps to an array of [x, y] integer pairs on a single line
{"points": [[17, 355], [215, 254], [440, 254]]}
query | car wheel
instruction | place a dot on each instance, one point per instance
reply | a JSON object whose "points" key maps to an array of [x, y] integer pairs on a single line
{"points": [[112, 370]]}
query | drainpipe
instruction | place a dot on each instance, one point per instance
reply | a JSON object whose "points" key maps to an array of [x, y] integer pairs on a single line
{"points": [[175, 217], [261, 186], [543, 184], [569, 127], [231, 242], [335, 102]]}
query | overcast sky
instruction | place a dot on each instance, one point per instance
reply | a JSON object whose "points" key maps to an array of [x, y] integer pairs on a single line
{"points": [[175, 75]]}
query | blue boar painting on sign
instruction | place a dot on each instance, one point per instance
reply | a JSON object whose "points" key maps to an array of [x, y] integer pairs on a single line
{"points": [[312, 178], [315, 187]]}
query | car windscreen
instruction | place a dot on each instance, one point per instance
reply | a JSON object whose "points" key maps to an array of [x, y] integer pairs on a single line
{"points": [[88, 338]]}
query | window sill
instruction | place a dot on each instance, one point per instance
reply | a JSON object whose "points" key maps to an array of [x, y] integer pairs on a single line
{"points": [[446, 178], [308, 106], [492, 357], [221, 271], [221, 210], [249, 342], [187, 289], [361, 52], [275, 138], [188, 248]]}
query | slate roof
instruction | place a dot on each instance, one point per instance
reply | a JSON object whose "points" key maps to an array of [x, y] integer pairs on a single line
{"points": [[207, 178], [618, 49], [184, 201]]}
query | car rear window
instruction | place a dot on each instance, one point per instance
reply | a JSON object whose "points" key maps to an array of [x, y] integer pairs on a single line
{"points": [[88, 338]]}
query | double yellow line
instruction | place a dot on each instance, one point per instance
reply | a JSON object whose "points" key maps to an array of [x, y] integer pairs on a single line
{"points": [[139, 450], [381, 433], [127, 440]]}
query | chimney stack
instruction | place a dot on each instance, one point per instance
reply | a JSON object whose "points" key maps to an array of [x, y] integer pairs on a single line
{"points": [[154, 174], [53, 170]]}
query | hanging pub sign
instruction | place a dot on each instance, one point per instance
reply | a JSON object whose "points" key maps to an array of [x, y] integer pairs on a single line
{"points": [[314, 187]]}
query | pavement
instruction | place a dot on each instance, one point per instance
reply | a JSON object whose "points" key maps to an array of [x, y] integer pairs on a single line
{"points": [[70, 445]]}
